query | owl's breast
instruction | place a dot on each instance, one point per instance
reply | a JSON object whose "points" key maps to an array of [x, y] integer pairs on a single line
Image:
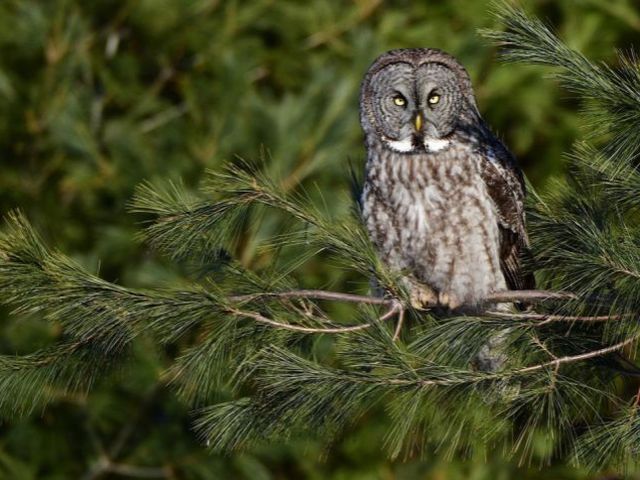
{"points": [[431, 215]]}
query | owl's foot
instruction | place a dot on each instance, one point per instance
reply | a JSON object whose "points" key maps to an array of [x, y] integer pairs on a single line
{"points": [[423, 296], [448, 300]]}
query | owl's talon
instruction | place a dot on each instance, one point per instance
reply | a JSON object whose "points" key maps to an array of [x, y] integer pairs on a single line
{"points": [[448, 300], [423, 297]]}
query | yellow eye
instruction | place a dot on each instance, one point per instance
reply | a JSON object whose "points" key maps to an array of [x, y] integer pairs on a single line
{"points": [[433, 99], [399, 100]]}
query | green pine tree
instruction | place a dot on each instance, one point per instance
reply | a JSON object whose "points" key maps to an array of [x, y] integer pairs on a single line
{"points": [[264, 354]]}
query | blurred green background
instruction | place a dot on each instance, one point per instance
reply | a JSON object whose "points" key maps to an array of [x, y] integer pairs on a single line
{"points": [[96, 96]]}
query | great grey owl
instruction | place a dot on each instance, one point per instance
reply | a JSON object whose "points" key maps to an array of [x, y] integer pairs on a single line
{"points": [[442, 197]]}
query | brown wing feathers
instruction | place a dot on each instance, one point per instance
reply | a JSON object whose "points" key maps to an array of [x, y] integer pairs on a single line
{"points": [[505, 185]]}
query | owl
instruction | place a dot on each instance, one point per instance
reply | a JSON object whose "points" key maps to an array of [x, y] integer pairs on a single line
{"points": [[442, 198]]}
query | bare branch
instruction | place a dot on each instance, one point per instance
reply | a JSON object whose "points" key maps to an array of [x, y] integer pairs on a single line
{"points": [[543, 347], [394, 304], [395, 308], [580, 357], [556, 362], [496, 297], [315, 294], [549, 318], [396, 334], [528, 296]]}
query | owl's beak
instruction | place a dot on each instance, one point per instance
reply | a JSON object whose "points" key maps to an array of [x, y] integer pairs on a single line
{"points": [[418, 122]]}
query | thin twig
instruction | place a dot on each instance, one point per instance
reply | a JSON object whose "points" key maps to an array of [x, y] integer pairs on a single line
{"points": [[315, 294], [528, 296], [543, 347], [396, 334], [395, 308], [552, 363], [580, 357], [549, 318]]}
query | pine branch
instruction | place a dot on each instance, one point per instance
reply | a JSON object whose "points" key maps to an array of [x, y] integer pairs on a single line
{"points": [[30, 382], [171, 314], [545, 318], [198, 228], [612, 95]]}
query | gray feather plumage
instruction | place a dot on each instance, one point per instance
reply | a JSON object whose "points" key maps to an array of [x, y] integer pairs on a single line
{"points": [[442, 197]]}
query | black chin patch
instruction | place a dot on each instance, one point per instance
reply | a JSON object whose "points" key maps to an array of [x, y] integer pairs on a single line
{"points": [[417, 140]]}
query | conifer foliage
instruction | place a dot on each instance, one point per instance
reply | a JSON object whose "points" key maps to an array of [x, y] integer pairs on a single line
{"points": [[295, 361]]}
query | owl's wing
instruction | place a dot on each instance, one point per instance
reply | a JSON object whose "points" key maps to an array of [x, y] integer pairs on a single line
{"points": [[505, 185]]}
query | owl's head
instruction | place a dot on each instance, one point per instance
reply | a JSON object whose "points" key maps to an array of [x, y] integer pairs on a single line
{"points": [[414, 99]]}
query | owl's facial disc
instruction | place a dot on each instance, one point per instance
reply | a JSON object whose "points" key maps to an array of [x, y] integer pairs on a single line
{"points": [[414, 108]]}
